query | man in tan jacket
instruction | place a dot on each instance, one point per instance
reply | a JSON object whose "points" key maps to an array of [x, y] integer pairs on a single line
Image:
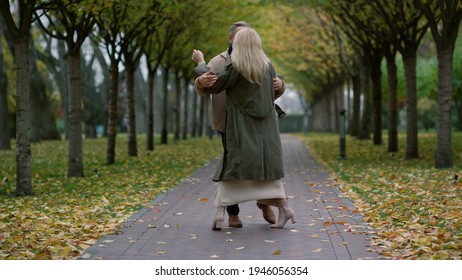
{"points": [[216, 65]]}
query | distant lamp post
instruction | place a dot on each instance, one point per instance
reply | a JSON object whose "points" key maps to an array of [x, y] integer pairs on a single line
{"points": [[342, 153]]}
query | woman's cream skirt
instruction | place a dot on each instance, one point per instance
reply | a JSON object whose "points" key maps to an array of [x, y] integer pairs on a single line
{"points": [[237, 191]]}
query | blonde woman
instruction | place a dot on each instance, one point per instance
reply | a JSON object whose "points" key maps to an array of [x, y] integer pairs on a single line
{"points": [[251, 167], [217, 64]]}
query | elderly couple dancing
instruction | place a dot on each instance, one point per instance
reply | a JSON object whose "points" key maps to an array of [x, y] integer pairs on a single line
{"points": [[244, 85]]}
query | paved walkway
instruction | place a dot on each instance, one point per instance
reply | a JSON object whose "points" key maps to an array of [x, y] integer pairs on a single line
{"points": [[177, 225]]}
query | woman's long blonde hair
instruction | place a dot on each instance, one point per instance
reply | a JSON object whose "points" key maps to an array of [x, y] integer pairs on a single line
{"points": [[248, 56]]}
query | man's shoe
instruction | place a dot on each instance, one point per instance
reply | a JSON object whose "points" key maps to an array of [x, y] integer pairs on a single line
{"points": [[268, 213], [234, 221]]}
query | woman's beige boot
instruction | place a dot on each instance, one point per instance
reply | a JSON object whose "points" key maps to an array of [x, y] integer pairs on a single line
{"points": [[218, 220], [285, 213]]}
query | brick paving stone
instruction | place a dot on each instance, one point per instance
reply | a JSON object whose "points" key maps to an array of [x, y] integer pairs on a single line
{"points": [[177, 224]]}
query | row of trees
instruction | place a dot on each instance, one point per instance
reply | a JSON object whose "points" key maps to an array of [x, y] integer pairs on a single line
{"points": [[319, 45], [348, 40], [160, 31]]}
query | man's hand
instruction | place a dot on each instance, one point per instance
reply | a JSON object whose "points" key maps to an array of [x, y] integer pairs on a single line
{"points": [[278, 84], [207, 79], [197, 56]]}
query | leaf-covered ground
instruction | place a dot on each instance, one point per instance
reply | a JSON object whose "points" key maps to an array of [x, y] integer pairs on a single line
{"points": [[415, 208], [67, 215]]}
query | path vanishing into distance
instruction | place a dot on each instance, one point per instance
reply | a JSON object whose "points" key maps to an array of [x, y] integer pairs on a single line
{"points": [[177, 224]]}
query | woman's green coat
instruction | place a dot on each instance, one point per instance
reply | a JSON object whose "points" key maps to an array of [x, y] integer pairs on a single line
{"points": [[253, 146]]}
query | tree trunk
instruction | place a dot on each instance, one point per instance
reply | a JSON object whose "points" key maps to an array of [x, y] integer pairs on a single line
{"points": [[443, 127], [112, 113], [4, 129], [75, 164], [202, 116], [141, 87], [150, 109], [365, 131], [194, 116], [130, 69], [392, 82], [177, 109], [347, 106], [444, 33], [356, 115], [23, 149], [185, 108], [164, 132], [412, 148], [376, 77], [337, 98]]}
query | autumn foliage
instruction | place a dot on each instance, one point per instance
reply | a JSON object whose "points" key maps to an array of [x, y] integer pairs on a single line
{"points": [[414, 207], [68, 215]]}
